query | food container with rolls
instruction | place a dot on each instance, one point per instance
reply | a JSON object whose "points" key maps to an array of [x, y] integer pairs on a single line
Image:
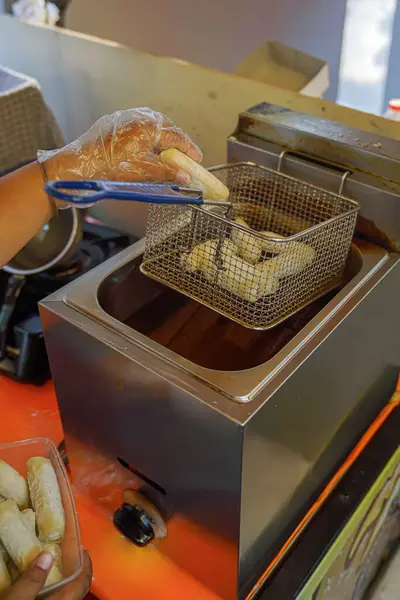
{"points": [[37, 513]]}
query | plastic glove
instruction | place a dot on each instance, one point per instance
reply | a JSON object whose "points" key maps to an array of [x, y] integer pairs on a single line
{"points": [[123, 146]]}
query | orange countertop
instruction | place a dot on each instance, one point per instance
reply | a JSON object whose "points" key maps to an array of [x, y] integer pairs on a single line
{"points": [[121, 570]]}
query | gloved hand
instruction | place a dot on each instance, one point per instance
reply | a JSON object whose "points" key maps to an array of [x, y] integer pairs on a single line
{"points": [[123, 146]]}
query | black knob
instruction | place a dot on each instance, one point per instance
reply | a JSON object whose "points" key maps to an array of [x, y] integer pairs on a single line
{"points": [[134, 523]]}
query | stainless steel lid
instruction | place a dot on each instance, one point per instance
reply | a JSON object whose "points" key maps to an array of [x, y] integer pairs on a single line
{"points": [[349, 148]]}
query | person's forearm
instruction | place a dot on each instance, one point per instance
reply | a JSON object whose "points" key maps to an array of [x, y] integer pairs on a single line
{"points": [[24, 209], [124, 145], [24, 206]]}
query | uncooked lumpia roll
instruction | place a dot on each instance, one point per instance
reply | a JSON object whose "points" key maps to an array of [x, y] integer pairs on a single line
{"points": [[3, 552], [56, 552], [13, 485], [200, 178], [21, 544], [29, 519], [55, 573], [12, 569], [46, 499], [54, 576], [5, 577]]}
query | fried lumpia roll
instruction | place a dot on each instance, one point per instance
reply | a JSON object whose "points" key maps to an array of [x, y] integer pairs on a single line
{"points": [[29, 519], [21, 543], [13, 485], [46, 499], [5, 577]]}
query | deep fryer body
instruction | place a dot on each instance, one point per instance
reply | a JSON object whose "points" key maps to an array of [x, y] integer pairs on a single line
{"points": [[239, 472]]}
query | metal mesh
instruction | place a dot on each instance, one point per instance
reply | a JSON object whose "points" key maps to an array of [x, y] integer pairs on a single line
{"points": [[253, 279]]}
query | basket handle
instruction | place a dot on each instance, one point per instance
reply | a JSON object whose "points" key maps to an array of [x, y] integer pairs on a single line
{"points": [[323, 163]]}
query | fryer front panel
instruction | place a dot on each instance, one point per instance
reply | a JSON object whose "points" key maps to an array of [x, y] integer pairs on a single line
{"points": [[298, 438]]}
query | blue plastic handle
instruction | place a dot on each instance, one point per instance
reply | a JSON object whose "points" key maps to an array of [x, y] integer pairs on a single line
{"points": [[89, 192]]}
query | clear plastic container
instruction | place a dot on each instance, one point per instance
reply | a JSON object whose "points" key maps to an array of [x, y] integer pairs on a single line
{"points": [[17, 455], [393, 111]]}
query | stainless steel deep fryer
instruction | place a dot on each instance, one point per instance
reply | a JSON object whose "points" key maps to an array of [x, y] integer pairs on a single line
{"points": [[272, 248], [254, 279], [234, 432]]}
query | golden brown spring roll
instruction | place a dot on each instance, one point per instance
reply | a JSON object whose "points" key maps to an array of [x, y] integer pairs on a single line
{"points": [[21, 544], [29, 519], [46, 499], [13, 485], [5, 577]]}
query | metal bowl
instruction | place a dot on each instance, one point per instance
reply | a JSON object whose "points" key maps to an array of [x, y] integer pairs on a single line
{"points": [[54, 245]]}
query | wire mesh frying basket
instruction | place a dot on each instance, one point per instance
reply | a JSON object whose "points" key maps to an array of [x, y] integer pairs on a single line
{"points": [[283, 244]]}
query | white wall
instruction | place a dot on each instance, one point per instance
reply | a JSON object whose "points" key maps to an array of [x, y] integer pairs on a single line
{"points": [[216, 33], [368, 36], [83, 78]]}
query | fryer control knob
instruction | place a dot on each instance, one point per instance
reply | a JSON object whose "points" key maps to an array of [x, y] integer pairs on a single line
{"points": [[134, 523]]}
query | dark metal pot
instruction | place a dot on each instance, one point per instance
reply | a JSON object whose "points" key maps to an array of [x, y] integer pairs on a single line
{"points": [[54, 246]]}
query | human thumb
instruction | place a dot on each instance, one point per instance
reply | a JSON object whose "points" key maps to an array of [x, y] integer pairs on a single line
{"points": [[32, 580]]}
